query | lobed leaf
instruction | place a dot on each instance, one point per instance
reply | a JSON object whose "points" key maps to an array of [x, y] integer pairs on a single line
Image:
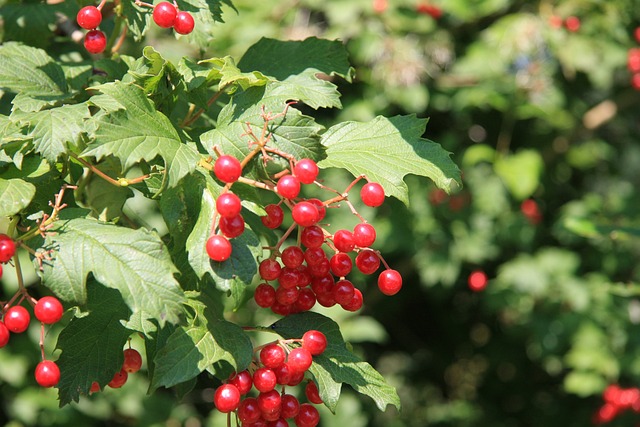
{"points": [[135, 262], [387, 149], [337, 365]]}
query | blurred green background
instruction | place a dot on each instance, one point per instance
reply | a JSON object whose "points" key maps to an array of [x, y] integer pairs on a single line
{"points": [[532, 112]]}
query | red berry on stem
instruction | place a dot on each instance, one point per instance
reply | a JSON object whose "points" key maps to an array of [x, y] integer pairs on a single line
{"points": [[274, 216], [184, 23], [283, 375], [477, 280], [367, 261], [47, 374], [48, 310], [4, 335], [305, 214], [322, 209], [389, 282], [95, 41], [272, 355], [289, 277], [341, 264], [7, 248], [314, 341], [226, 398], [17, 319], [343, 292], [308, 416], [306, 170], [343, 240], [269, 402], [314, 256], [232, 226], [218, 248], [633, 60], [132, 361], [288, 186], [289, 406], [228, 205], [320, 269], [118, 379], [264, 380], [312, 237], [364, 235], [248, 411], [269, 269], [572, 23], [372, 194], [243, 381], [312, 393], [89, 17], [164, 14], [356, 302], [95, 387], [299, 360], [292, 257], [287, 296], [265, 295], [227, 169], [306, 300]]}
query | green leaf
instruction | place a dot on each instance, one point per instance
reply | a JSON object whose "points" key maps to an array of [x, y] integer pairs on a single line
{"points": [[52, 130], [16, 195], [205, 14], [387, 149], [31, 72], [137, 18], [520, 172], [28, 22], [337, 365], [135, 262], [92, 345], [206, 340], [234, 274], [226, 70], [139, 132]]}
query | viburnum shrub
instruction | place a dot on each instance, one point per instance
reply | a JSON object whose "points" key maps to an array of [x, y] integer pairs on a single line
{"points": [[221, 149]]}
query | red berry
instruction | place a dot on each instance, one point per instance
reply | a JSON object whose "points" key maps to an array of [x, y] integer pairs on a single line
{"points": [[389, 282], [572, 23], [95, 41], [7, 248], [308, 416], [364, 235], [228, 205], [296, 378], [4, 335], [477, 281], [226, 398], [427, 9], [89, 17], [269, 269], [320, 269], [232, 226], [314, 341], [343, 292], [118, 379], [555, 21], [264, 380], [312, 393], [356, 302], [132, 361], [265, 295], [289, 406], [0, 271], [299, 360], [47, 374], [164, 14], [635, 81], [636, 34], [243, 382], [184, 23], [322, 209], [341, 264], [343, 240], [288, 186], [248, 411], [372, 194], [48, 310], [323, 284], [95, 387], [306, 300], [272, 355], [305, 214], [314, 256], [306, 170], [227, 169], [283, 375], [289, 277], [312, 237], [17, 319], [292, 257], [269, 402], [633, 60], [218, 248], [274, 216], [287, 296], [607, 413], [367, 261]]}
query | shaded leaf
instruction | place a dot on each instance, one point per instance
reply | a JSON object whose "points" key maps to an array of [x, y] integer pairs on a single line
{"points": [[16, 195]]}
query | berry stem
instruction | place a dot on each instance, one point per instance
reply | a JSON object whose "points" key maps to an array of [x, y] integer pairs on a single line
{"points": [[42, 341], [144, 4], [101, 5], [120, 182], [190, 119], [117, 29]]}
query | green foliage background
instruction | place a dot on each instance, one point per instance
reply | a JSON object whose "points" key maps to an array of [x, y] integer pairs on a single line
{"points": [[530, 111]]}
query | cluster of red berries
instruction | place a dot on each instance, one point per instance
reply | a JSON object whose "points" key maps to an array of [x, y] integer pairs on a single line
{"points": [[571, 23], [305, 276], [280, 363], [131, 364], [167, 15], [633, 62], [616, 401], [89, 17]]}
